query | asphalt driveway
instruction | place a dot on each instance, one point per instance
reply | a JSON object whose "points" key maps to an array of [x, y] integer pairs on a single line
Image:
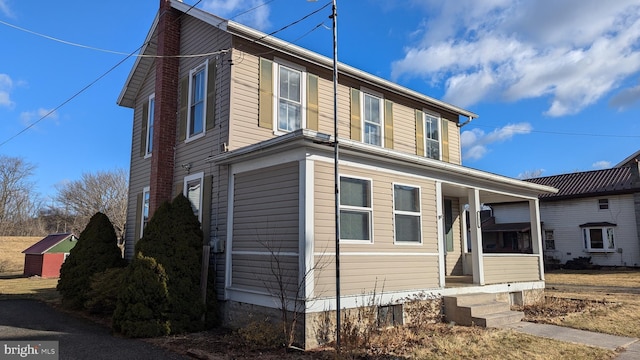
{"points": [[30, 320]]}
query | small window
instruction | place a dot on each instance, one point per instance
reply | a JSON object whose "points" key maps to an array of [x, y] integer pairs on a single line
{"points": [[197, 103], [355, 209], [289, 99], [149, 147], [549, 240], [406, 209], [603, 204], [372, 119], [599, 239], [432, 136], [193, 192], [145, 209]]}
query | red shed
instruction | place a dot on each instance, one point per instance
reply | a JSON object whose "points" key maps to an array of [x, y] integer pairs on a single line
{"points": [[45, 257]]}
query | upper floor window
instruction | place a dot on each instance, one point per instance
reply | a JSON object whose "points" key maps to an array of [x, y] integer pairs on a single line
{"points": [[598, 237], [549, 240], [355, 209], [149, 120], [603, 204], [432, 136], [406, 209], [289, 93], [372, 119], [197, 103], [193, 191]]}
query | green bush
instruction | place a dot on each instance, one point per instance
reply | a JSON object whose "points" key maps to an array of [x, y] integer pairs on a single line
{"points": [[105, 286], [174, 239], [143, 300], [96, 251]]}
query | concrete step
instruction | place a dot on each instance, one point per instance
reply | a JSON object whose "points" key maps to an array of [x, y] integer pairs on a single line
{"points": [[471, 299], [477, 310], [498, 319]]}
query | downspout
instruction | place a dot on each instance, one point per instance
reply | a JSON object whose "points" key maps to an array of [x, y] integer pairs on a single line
{"points": [[466, 122]]}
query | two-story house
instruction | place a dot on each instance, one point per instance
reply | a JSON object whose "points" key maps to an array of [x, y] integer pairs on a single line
{"points": [[242, 123]]}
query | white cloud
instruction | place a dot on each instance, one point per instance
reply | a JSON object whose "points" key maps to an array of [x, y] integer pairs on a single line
{"points": [[603, 164], [256, 16], [572, 51], [6, 84], [4, 8], [475, 142], [29, 117], [626, 98]]}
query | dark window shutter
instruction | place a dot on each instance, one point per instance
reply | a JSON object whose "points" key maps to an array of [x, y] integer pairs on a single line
{"points": [[143, 131], [356, 124], [419, 133], [312, 102], [184, 108], [445, 139], [138, 223], [211, 95], [265, 114], [206, 207], [388, 124]]}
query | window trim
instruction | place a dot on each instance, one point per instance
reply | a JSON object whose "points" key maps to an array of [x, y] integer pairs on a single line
{"points": [[145, 190], [410, 213], [150, 121], [202, 67], [277, 63], [547, 239], [190, 178], [358, 208], [363, 122], [586, 235], [425, 138], [603, 202]]}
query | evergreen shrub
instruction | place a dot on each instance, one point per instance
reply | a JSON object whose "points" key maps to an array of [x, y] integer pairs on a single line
{"points": [[96, 251]]}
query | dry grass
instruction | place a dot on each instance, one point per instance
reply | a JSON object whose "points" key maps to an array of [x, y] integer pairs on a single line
{"points": [[29, 288], [629, 278], [11, 256]]}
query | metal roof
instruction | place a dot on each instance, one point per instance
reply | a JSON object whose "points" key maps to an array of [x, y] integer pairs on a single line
{"points": [[45, 244], [589, 183]]}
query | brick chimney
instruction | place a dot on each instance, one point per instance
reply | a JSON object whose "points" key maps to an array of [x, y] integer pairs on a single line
{"points": [[166, 106]]}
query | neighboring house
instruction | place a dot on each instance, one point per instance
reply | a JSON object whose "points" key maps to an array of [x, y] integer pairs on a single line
{"points": [[45, 257], [245, 131], [594, 214]]}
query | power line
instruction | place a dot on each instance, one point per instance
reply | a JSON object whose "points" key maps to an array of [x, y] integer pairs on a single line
{"points": [[496, 127], [89, 85]]}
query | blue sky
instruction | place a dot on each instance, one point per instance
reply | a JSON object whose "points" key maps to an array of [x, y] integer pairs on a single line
{"points": [[556, 83]]}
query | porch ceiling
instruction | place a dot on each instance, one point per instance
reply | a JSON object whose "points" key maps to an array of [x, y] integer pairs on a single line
{"points": [[486, 196]]}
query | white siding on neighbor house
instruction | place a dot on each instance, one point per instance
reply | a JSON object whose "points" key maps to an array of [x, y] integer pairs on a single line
{"points": [[565, 218], [511, 213], [265, 243]]}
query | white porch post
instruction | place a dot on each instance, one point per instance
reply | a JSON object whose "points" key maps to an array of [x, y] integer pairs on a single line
{"points": [[536, 233], [442, 248], [476, 236]]}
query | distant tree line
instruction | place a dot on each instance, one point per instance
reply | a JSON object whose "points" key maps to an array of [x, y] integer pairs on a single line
{"points": [[23, 212]]}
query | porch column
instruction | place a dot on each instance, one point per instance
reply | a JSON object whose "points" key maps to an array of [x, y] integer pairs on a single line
{"points": [[442, 246], [536, 233], [476, 236]]}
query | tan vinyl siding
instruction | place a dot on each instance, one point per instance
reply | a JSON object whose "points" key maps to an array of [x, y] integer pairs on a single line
{"points": [[504, 268], [265, 273], [140, 167], [394, 258], [362, 274], [265, 221]]}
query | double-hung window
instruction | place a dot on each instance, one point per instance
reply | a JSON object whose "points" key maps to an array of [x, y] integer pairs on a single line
{"points": [[197, 100], [355, 209], [432, 136], [145, 209], [407, 215], [598, 237], [149, 120], [193, 191], [290, 95], [372, 119], [603, 204]]}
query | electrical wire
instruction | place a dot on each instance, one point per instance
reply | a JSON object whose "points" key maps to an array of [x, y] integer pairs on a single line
{"points": [[496, 127], [85, 88]]}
